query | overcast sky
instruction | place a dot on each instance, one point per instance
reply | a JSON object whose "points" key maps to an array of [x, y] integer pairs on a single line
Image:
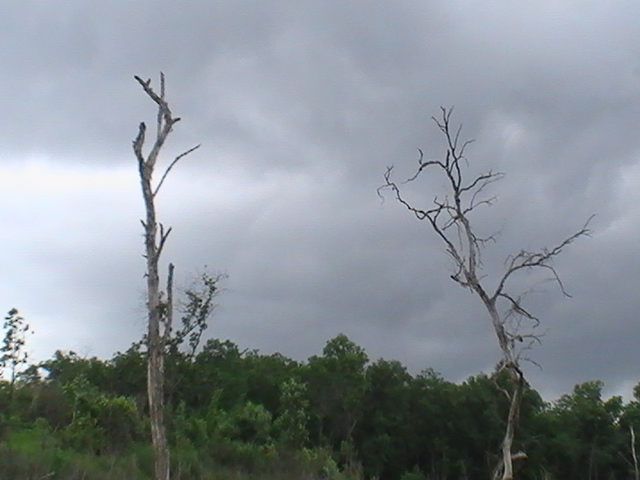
{"points": [[300, 106]]}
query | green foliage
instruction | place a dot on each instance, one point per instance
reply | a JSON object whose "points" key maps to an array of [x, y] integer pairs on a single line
{"points": [[318, 463], [196, 310], [414, 474], [246, 422], [99, 420], [126, 374], [14, 355], [215, 371], [66, 367], [60, 464], [585, 433], [291, 424], [337, 384], [84, 434], [246, 416], [385, 434], [49, 403]]}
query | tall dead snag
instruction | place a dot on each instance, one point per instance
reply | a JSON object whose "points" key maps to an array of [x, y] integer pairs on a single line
{"points": [[450, 218], [155, 236]]}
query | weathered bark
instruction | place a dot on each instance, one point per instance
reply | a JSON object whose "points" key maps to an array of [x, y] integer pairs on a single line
{"points": [[159, 312], [504, 469], [449, 218], [634, 455]]}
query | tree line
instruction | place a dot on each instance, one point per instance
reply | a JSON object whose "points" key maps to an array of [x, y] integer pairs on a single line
{"points": [[235, 413]]}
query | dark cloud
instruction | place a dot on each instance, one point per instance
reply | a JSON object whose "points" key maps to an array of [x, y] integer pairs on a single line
{"points": [[300, 106]]}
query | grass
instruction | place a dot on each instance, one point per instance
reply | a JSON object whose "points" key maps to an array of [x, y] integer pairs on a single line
{"points": [[35, 453]]}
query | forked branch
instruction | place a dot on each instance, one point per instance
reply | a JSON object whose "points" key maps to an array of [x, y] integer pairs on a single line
{"points": [[525, 260], [165, 123]]}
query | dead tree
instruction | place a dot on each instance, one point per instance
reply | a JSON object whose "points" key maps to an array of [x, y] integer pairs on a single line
{"points": [[155, 237], [450, 218]]}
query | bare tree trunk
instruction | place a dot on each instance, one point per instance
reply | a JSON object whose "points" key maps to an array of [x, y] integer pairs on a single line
{"points": [[159, 312], [636, 472], [504, 470], [510, 363], [155, 365]]}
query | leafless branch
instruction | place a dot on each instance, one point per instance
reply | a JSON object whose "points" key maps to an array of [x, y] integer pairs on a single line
{"points": [[171, 165], [525, 260], [168, 316], [164, 112], [163, 238], [160, 111], [138, 143]]}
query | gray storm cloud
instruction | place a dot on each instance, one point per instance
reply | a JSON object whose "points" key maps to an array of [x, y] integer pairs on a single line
{"points": [[300, 106]]}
